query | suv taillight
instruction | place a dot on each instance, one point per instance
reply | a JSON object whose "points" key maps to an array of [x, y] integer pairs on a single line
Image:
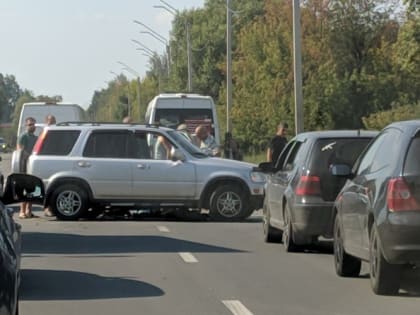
{"points": [[399, 197], [308, 185], [38, 144]]}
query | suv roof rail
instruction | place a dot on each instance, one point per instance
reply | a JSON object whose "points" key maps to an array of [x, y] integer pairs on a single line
{"points": [[95, 123], [154, 125]]}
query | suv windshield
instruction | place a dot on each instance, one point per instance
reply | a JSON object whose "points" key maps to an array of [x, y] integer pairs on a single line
{"points": [[186, 145]]}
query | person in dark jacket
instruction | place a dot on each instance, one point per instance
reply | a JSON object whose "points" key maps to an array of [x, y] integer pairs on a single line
{"points": [[277, 143]]}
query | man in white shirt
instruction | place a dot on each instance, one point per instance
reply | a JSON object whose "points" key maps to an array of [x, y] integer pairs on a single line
{"points": [[205, 141]]}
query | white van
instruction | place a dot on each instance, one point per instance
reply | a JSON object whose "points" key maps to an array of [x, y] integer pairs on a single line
{"points": [[171, 110], [40, 110]]}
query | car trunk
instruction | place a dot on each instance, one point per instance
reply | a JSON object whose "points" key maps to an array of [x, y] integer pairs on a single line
{"points": [[329, 151]]}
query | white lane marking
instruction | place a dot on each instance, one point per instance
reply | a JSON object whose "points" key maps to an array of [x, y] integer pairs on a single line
{"points": [[163, 228], [188, 257], [236, 307]]}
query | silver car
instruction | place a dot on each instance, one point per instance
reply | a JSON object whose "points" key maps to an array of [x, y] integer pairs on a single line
{"points": [[89, 167]]}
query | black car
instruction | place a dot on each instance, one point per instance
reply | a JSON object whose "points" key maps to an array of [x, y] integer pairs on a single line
{"points": [[378, 210], [19, 187], [300, 190]]}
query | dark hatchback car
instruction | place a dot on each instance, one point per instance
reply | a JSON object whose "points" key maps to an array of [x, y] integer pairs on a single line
{"points": [[300, 189], [18, 187], [378, 209]]}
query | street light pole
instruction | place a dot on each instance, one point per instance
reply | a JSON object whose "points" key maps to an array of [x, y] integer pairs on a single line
{"points": [[297, 68], [160, 38], [228, 65], [168, 50], [175, 12], [137, 75]]}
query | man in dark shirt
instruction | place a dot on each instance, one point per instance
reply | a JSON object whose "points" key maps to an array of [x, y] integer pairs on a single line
{"points": [[277, 143], [25, 145]]}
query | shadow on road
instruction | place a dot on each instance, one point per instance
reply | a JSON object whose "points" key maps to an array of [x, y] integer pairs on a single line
{"points": [[72, 285], [57, 243]]}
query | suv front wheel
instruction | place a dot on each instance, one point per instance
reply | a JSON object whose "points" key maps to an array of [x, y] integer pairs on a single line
{"points": [[69, 202], [228, 203]]}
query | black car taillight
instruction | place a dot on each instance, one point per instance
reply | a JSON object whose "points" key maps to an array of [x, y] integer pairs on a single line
{"points": [[308, 185], [399, 197]]}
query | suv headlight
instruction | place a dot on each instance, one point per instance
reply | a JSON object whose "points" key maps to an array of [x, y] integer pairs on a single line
{"points": [[258, 177]]}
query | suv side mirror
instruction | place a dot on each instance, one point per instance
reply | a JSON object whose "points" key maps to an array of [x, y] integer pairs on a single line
{"points": [[177, 155], [23, 187], [342, 170]]}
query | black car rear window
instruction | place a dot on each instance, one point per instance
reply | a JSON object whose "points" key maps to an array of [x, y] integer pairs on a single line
{"points": [[59, 142], [412, 160], [327, 152]]}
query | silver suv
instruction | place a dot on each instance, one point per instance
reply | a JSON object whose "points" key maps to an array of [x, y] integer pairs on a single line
{"points": [[89, 167]]}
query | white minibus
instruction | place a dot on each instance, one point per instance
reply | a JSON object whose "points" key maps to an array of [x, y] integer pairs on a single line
{"points": [[40, 110], [171, 110]]}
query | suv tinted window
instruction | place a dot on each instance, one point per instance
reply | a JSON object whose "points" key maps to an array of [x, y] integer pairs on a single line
{"points": [[108, 144], [327, 152], [59, 142]]}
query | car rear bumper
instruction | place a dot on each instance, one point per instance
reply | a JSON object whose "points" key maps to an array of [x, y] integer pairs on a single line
{"points": [[400, 238], [313, 219]]}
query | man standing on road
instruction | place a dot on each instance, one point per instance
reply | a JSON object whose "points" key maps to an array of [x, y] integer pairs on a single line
{"points": [[277, 143], [25, 145]]}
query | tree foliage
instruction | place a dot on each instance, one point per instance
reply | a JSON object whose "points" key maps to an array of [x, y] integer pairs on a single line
{"points": [[360, 63]]}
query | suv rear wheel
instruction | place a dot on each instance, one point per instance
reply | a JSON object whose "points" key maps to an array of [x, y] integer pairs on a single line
{"points": [[228, 203], [69, 202]]}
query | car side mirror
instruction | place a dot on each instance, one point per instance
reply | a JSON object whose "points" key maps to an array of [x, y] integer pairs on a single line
{"points": [[265, 167], [23, 187], [177, 155], [342, 170]]}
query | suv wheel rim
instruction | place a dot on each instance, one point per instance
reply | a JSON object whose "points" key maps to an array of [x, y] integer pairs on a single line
{"points": [[229, 204], [69, 202]]}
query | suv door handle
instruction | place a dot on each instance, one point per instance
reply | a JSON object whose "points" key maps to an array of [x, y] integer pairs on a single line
{"points": [[141, 166], [84, 164]]}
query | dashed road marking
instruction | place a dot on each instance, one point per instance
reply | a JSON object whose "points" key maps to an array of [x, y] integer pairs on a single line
{"points": [[163, 228], [188, 257], [236, 307]]}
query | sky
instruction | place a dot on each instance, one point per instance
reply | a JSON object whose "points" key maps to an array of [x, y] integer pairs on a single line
{"points": [[70, 48]]}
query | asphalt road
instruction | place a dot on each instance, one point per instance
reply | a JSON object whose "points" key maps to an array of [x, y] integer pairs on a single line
{"points": [[160, 266]]}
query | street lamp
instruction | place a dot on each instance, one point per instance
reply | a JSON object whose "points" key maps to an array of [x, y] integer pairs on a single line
{"points": [[228, 65], [175, 12], [137, 75], [160, 38], [297, 68]]}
